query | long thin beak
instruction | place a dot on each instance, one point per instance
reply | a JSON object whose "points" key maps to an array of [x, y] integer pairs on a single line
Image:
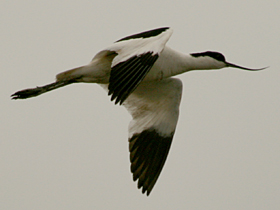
{"points": [[240, 67]]}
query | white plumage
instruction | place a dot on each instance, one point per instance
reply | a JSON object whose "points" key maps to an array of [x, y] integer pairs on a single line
{"points": [[125, 48], [136, 71]]}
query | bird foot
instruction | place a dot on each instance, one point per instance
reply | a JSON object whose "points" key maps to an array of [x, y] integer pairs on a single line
{"points": [[27, 93]]}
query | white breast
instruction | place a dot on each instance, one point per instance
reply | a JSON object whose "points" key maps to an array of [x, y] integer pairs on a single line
{"points": [[169, 63]]}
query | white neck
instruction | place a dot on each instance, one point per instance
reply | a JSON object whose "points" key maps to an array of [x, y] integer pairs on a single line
{"points": [[175, 62]]}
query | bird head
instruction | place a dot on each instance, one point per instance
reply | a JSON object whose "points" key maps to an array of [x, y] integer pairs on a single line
{"points": [[216, 60]]}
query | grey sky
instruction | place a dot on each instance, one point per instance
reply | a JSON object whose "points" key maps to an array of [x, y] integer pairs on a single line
{"points": [[68, 149]]}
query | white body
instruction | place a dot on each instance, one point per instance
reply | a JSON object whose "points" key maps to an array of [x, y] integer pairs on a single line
{"points": [[169, 63]]}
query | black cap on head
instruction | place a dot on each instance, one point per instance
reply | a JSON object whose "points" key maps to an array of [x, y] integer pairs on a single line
{"points": [[220, 57], [216, 55]]}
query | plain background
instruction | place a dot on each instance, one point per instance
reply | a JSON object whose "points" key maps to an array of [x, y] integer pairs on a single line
{"points": [[68, 149]]}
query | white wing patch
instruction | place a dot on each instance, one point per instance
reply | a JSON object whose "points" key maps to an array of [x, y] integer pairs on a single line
{"points": [[155, 105], [138, 46]]}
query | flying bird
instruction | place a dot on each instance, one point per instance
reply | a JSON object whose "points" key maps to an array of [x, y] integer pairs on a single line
{"points": [[137, 71]]}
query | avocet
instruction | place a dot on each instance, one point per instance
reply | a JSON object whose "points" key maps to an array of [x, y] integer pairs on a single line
{"points": [[137, 71]]}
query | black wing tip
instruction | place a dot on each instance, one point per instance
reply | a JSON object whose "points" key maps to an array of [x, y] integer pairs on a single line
{"points": [[145, 34], [144, 190], [117, 99], [148, 153]]}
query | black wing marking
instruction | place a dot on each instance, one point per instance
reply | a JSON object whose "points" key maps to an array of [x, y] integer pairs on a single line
{"points": [[148, 152], [154, 107], [145, 34], [127, 75]]}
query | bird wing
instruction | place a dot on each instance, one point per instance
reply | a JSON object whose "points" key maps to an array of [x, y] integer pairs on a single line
{"points": [[154, 107], [136, 54]]}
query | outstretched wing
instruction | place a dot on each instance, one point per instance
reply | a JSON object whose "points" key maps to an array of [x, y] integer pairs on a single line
{"points": [[136, 54], [154, 107]]}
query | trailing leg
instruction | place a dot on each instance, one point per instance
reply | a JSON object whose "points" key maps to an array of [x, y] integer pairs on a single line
{"points": [[32, 92]]}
